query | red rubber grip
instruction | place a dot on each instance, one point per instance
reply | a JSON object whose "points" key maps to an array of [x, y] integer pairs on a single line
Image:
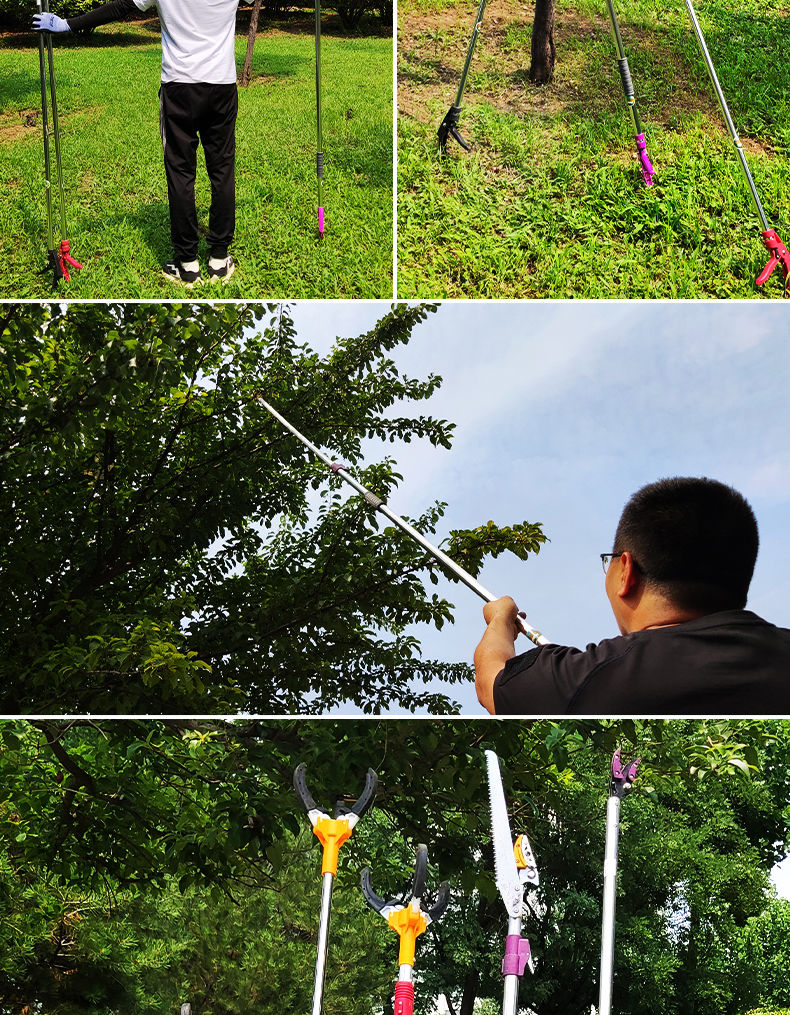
{"points": [[404, 998]]}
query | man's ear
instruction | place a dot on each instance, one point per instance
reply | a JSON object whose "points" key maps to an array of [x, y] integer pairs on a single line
{"points": [[629, 576]]}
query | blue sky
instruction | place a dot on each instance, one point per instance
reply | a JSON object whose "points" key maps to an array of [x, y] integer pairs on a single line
{"points": [[562, 411]]}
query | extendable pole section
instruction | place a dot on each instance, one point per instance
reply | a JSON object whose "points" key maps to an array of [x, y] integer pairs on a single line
{"points": [[64, 256], [377, 503], [628, 90], [331, 833], [621, 785], [408, 918], [449, 125], [53, 264], [777, 249], [319, 158]]}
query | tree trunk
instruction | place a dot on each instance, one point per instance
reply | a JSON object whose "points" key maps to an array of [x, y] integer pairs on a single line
{"points": [[541, 70], [471, 985], [246, 72]]}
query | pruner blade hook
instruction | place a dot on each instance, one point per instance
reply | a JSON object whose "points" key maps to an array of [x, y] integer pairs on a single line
{"points": [[449, 128], [623, 774]]}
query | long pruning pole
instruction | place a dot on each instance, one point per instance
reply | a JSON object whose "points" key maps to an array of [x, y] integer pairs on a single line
{"points": [[331, 833], [449, 125], [628, 90], [57, 261], [621, 785], [377, 503], [779, 254], [52, 264], [409, 916], [319, 136]]}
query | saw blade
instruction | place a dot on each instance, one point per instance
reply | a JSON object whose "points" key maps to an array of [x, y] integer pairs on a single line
{"points": [[505, 869]]}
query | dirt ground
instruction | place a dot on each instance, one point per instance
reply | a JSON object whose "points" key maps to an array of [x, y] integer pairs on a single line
{"points": [[432, 48]]}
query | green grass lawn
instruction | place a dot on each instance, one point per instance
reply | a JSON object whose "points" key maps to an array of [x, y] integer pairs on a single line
{"points": [[115, 185], [550, 202]]}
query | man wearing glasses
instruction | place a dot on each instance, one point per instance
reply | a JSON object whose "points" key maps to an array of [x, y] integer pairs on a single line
{"points": [[677, 581]]}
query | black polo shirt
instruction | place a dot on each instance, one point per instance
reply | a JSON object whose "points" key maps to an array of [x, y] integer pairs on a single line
{"points": [[728, 663]]}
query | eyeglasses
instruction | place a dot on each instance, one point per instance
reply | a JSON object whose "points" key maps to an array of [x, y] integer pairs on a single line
{"points": [[607, 558]]}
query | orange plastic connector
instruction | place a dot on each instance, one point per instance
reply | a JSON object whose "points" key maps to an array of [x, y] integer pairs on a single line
{"points": [[409, 924], [521, 856], [331, 833]]}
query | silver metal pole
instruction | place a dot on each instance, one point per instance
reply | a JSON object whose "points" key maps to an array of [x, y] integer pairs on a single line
{"points": [[45, 128], [728, 118], [376, 502], [609, 892], [510, 992], [470, 51], [510, 998], [323, 943]]}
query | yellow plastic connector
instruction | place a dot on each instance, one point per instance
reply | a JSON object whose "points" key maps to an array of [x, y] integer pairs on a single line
{"points": [[331, 833], [409, 924]]}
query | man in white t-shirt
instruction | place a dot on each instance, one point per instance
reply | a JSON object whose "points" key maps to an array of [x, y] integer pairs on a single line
{"points": [[198, 103]]}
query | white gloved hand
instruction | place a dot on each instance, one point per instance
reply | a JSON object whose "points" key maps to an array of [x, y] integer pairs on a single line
{"points": [[50, 23]]}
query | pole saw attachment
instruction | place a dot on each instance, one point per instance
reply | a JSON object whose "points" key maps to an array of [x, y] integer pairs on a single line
{"points": [[449, 125], [409, 916], [376, 502], [331, 833], [779, 255], [628, 90], [622, 780], [58, 261], [515, 868]]}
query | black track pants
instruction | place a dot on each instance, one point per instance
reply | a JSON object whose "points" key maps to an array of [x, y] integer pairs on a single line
{"points": [[190, 114]]}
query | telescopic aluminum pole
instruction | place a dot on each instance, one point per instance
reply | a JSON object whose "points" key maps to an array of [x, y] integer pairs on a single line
{"points": [[621, 785], [609, 890], [778, 251], [628, 90], [377, 503], [323, 943], [319, 135], [53, 264], [449, 125], [512, 979], [64, 255]]}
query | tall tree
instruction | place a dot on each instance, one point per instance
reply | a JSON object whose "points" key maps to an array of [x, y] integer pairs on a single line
{"points": [[103, 822], [168, 547]]}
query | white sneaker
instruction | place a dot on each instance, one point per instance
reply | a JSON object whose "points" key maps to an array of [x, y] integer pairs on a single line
{"points": [[220, 268], [186, 272]]}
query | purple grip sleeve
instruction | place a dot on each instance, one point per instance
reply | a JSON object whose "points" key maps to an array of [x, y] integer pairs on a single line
{"points": [[517, 954]]}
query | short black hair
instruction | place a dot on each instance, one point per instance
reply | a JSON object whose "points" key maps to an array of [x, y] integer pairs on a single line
{"points": [[694, 539]]}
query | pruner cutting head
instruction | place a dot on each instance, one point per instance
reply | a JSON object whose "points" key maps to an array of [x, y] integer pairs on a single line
{"points": [[333, 832], [623, 775], [353, 813], [413, 894], [410, 913], [514, 864]]}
